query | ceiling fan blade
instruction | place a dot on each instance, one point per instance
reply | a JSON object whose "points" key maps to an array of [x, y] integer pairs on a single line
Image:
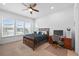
{"points": [[34, 5], [35, 10], [24, 4]]}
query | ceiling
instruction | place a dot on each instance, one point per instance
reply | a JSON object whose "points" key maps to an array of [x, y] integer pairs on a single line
{"points": [[44, 8]]}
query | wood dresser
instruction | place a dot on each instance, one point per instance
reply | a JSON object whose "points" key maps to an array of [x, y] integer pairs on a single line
{"points": [[67, 43]]}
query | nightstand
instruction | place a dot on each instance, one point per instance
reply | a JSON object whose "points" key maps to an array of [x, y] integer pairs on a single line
{"points": [[50, 40]]}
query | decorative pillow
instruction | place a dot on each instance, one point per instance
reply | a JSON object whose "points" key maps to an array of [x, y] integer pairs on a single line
{"points": [[44, 32], [39, 33]]}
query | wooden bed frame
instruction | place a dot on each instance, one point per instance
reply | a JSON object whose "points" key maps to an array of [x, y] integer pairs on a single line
{"points": [[30, 40]]}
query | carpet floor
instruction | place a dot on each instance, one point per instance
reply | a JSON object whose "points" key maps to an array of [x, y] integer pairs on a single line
{"points": [[20, 49], [59, 51]]}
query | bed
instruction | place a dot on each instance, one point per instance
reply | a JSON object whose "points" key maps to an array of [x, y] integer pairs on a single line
{"points": [[36, 39]]}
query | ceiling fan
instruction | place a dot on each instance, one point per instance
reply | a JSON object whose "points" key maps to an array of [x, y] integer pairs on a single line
{"points": [[31, 7]]}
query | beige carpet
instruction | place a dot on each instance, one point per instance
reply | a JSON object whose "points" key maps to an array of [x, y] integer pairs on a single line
{"points": [[59, 51], [20, 49]]}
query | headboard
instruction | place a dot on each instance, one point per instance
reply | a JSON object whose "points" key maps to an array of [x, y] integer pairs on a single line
{"points": [[44, 29]]}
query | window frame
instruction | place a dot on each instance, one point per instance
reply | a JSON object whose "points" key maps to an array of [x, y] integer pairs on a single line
{"points": [[4, 18], [28, 27], [16, 27]]}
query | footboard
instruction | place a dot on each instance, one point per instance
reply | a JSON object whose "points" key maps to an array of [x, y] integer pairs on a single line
{"points": [[29, 42]]}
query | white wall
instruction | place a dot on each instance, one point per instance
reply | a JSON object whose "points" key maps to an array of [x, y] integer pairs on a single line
{"points": [[6, 14], [0, 28], [76, 18], [60, 20]]}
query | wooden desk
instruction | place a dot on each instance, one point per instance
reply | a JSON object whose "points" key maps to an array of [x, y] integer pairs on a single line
{"points": [[67, 41]]}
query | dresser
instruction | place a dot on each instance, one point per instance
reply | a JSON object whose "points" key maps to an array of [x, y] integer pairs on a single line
{"points": [[67, 42]]}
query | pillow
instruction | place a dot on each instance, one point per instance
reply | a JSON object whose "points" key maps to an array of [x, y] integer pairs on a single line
{"points": [[40, 33], [44, 32], [35, 32]]}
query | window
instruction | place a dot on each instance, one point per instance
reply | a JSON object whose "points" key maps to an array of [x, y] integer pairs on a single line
{"points": [[11, 27], [0, 21], [27, 28], [8, 27], [19, 28]]}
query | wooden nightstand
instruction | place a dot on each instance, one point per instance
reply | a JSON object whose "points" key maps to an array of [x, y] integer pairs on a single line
{"points": [[50, 40]]}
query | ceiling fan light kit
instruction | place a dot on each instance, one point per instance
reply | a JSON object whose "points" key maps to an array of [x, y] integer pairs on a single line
{"points": [[31, 7], [30, 10]]}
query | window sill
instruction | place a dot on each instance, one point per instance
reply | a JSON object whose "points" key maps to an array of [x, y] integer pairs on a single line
{"points": [[11, 36]]}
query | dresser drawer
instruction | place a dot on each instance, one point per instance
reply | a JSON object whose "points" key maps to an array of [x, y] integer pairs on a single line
{"points": [[68, 43]]}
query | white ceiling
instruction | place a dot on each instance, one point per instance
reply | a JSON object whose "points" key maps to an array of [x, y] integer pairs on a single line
{"points": [[44, 8]]}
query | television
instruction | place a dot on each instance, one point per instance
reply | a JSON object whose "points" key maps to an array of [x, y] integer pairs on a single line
{"points": [[58, 32]]}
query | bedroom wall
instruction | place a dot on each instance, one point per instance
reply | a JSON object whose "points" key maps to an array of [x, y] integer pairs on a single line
{"points": [[76, 18], [14, 16], [0, 28], [58, 21]]}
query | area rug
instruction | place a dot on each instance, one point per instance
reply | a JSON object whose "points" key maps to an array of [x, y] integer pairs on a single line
{"points": [[59, 51]]}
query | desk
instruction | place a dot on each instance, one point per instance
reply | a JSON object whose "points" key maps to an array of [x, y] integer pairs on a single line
{"points": [[67, 41]]}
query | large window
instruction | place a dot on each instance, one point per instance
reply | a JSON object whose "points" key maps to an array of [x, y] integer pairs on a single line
{"points": [[27, 28], [19, 28], [8, 27]]}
